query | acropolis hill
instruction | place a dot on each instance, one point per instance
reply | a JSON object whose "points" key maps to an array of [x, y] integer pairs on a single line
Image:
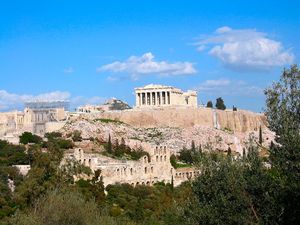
{"points": [[176, 118], [164, 121]]}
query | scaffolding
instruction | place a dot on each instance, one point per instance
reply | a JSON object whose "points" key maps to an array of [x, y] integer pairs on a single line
{"points": [[48, 105]]}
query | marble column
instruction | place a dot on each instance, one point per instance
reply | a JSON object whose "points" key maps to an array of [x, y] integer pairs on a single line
{"points": [[150, 96], [163, 94], [143, 98]]}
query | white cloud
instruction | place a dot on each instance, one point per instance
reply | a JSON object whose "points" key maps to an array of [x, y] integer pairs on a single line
{"points": [[11, 101], [145, 64], [69, 70], [228, 87], [81, 100], [245, 49]]}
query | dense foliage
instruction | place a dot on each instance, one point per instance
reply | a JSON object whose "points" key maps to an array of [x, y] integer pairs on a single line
{"points": [[209, 104], [28, 137], [283, 113], [220, 104], [122, 151]]}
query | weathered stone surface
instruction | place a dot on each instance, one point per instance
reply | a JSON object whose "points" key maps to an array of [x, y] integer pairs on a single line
{"points": [[175, 128], [240, 121]]}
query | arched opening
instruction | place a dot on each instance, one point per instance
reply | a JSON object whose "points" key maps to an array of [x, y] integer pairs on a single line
{"points": [[151, 169], [148, 183], [157, 158], [130, 171], [165, 158], [145, 170], [161, 158]]}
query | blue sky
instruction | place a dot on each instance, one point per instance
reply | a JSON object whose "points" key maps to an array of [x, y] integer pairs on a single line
{"points": [[88, 51]]}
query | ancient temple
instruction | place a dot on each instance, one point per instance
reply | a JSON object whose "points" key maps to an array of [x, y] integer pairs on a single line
{"points": [[160, 96]]}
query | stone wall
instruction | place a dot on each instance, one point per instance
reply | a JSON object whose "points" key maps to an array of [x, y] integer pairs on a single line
{"points": [[38, 121], [141, 172], [183, 117]]}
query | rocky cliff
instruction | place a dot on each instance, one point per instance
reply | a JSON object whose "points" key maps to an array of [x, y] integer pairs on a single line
{"points": [[238, 121], [174, 127]]}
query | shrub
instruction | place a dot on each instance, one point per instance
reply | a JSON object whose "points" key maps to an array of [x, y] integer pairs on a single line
{"points": [[28, 137]]}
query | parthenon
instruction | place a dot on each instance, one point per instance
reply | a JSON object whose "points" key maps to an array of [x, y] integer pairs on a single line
{"points": [[159, 95]]}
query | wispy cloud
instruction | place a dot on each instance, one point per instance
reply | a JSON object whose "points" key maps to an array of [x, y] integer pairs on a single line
{"points": [[245, 49], [69, 70], [137, 66], [11, 101], [228, 87]]}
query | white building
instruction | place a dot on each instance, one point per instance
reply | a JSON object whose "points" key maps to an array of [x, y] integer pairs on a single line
{"points": [[161, 96]]}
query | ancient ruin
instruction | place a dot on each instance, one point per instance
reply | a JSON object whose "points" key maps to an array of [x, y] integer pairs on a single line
{"points": [[145, 171], [159, 95], [37, 117], [164, 121]]}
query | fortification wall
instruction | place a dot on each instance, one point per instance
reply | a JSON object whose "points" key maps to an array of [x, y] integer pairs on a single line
{"points": [[238, 121]]}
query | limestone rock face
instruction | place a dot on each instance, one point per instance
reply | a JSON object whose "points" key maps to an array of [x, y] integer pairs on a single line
{"points": [[238, 121], [174, 127]]}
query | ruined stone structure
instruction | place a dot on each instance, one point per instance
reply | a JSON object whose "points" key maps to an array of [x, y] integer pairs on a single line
{"points": [[159, 95], [145, 171]]}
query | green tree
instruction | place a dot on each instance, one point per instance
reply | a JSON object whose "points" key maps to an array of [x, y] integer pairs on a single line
{"points": [[282, 111], [234, 191], [76, 136], [220, 104], [260, 136], [109, 145], [185, 155], [173, 161], [28, 137], [209, 104]]}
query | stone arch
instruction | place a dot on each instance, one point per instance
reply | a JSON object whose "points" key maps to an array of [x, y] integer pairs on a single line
{"points": [[157, 158], [148, 183], [145, 170], [165, 158], [137, 183], [145, 159], [90, 162], [131, 172], [161, 158], [143, 183], [151, 169]]}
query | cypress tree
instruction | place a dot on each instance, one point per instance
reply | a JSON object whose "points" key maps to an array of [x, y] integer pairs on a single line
{"points": [[109, 145], [260, 135]]}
